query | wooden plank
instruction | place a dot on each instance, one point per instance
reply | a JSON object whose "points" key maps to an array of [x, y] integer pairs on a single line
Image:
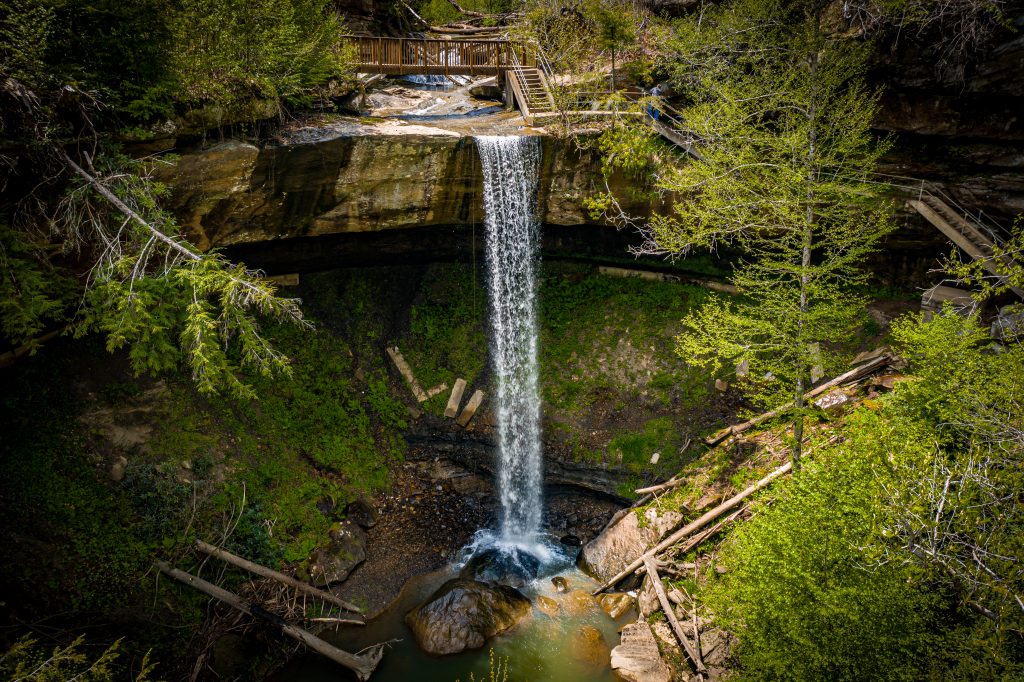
{"points": [[455, 398], [470, 409]]}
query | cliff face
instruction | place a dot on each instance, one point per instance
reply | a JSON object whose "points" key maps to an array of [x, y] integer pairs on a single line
{"points": [[958, 120], [350, 178]]}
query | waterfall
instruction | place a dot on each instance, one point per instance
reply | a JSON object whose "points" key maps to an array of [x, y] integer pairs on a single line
{"points": [[511, 168]]}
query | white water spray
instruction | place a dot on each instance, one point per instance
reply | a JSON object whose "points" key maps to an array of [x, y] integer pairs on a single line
{"points": [[511, 167]]}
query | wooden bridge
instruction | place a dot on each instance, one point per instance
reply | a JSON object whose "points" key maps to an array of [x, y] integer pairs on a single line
{"points": [[436, 57]]}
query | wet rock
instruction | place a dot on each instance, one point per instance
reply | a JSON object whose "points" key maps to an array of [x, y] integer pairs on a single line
{"points": [[617, 546], [560, 583], [548, 606], [615, 604], [507, 567], [362, 512], [570, 540], [579, 603], [588, 646], [463, 614], [637, 658], [333, 562]]}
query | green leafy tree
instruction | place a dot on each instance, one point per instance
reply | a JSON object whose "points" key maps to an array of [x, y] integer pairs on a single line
{"points": [[780, 116]]}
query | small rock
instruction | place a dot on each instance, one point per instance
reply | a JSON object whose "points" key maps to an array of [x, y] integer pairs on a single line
{"points": [[570, 540], [647, 600], [721, 386], [655, 457], [362, 512], [615, 604], [588, 646], [117, 469], [560, 584], [579, 603], [547, 606], [833, 401]]}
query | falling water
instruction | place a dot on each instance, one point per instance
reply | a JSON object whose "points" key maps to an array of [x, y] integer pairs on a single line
{"points": [[511, 168]]}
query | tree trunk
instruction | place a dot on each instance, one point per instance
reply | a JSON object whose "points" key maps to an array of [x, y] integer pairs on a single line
{"points": [[677, 628], [805, 262]]}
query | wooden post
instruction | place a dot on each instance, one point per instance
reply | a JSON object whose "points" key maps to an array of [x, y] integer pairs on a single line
{"points": [[363, 666]]}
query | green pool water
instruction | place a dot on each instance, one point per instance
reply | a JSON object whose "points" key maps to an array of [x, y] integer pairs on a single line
{"points": [[540, 647]]}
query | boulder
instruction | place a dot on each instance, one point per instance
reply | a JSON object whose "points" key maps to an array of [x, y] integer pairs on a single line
{"points": [[547, 606], [334, 561], [618, 545], [637, 658], [615, 604], [512, 567], [588, 646], [362, 512], [462, 614]]}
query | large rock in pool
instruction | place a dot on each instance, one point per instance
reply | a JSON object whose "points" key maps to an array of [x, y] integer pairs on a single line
{"points": [[463, 614], [512, 567], [331, 563]]}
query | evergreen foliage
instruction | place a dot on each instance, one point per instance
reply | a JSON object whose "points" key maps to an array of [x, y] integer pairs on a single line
{"points": [[781, 117]]}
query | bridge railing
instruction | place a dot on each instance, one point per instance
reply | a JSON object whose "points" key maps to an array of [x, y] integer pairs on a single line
{"points": [[434, 56]]}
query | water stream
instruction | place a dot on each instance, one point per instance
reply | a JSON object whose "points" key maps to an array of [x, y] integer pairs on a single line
{"points": [[544, 646], [511, 168]]}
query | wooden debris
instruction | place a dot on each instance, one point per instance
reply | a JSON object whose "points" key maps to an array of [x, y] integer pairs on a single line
{"points": [[440, 388], [247, 565], [853, 375], [700, 523], [362, 665], [667, 485], [470, 409], [455, 399], [666, 607], [406, 371]]}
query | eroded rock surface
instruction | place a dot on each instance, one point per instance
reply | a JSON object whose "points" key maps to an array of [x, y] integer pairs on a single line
{"points": [[636, 658], [463, 614]]}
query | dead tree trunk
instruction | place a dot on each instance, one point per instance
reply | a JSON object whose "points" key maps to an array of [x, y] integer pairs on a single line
{"points": [[694, 526], [238, 561], [362, 665], [666, 606]]}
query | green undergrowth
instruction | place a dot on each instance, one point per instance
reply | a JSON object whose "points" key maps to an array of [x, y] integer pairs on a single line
{"points": [[603, 335], [446, 337]]}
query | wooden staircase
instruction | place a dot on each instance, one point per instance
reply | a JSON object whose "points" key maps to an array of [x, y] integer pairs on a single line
{"points": [[531, 91], [965, 233]]}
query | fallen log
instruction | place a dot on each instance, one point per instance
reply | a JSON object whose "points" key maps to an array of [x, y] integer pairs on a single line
{"points": [[235, 560], [697, 540], [852, 375], [667, 485], [666, 606], [362, 665], [694, 526]]}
